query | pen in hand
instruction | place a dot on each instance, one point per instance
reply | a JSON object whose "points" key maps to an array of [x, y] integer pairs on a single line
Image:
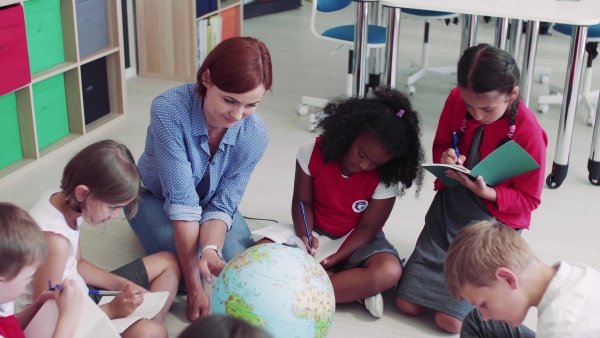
{"points": [[306, 226], [455, 137]]}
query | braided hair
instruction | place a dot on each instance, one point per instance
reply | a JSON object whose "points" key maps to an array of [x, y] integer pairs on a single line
{"points": [[388, 116], [484, 68]]}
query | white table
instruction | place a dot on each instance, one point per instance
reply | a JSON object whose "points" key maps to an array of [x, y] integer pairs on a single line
{"points": [[581, 14]]}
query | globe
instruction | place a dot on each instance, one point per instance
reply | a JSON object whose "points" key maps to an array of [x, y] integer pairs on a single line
{"points": [[279, 288]]}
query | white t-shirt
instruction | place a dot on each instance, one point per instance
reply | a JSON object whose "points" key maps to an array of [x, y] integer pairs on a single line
{"points": [[52, 220], [570, 306], [303, 156]]}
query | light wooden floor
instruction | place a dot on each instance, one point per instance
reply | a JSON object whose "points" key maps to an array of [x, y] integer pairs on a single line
{"points": [[564, 227]]}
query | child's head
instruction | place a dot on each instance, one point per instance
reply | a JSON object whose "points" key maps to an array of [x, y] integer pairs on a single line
{"points": [[100, 180], [217, 326], [379, 132], [22, 249], [488, 79], [484, 265]]}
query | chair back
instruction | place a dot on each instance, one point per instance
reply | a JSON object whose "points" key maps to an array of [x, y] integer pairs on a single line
{"points": [[331, 5]]}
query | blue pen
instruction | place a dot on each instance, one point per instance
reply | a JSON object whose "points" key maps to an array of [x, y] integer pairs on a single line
{"points": [[56, 287], [305, 224], [105, 292], [455, 136]]}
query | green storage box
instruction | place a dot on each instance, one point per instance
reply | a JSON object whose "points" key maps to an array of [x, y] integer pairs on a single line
{"points": [[10, 137], [50, 106], [44, 34]]}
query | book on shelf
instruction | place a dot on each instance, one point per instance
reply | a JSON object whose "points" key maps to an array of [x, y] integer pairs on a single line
{"points": [[507, 161], [208, 36]]}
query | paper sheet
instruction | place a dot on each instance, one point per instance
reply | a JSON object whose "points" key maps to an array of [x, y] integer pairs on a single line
{"points": [[93, 323], [285, 233], [153, 303]]}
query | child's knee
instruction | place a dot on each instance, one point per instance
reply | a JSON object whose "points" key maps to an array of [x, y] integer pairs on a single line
{"points": [[167, 262], [147, 329], [409, 308], [447, 322]]}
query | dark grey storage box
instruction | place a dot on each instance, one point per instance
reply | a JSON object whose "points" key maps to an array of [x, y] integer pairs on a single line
{"points": [[92, 27]]}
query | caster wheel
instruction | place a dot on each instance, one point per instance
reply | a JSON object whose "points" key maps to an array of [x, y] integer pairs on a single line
{"points": [[302, 109], [550, 183], [411, 89], [590, 120], [544, 78], [593, 181], [543, 108]]}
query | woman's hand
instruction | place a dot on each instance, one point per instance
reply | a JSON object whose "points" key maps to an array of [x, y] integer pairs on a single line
{"points": [[210, 264], [315, 244], [124, 304], [449, 157]]}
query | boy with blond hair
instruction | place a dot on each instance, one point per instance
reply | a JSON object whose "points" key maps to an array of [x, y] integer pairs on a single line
{"points": [[491, 266], [22, 250]]}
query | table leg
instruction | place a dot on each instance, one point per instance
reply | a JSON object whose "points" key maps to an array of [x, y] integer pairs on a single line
{"points": [[569, 107], [516, 25], [360, 48], [375, 53], [528, 68], [501, 33], [594, 160], [391, 46], [469, 32]]}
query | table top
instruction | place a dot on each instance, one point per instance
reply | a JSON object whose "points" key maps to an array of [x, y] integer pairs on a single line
{"points": [[571, 12]]}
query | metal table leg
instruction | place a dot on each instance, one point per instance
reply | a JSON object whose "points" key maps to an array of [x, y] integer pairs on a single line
{"points": [[360, 47], [469, 32], [501, 33], [516, 26], [391, 46], [533, 28], [594, 160], [569, 107]]}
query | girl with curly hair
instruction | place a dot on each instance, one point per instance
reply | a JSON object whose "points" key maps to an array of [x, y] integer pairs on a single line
{"points": [[369, 152]]}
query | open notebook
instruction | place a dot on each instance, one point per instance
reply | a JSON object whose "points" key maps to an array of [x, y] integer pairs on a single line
{"points": [[285, 233], [506, 162], [94, 323]]}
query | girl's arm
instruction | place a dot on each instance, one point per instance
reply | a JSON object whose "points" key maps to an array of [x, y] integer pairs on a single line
{"points": [[303, 191], [443, 141], [98, 277], [54, 266], [370, 224]]}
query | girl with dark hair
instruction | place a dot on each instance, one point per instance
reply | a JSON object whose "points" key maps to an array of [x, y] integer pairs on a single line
{"points": [[219, 326], [485, 111], [203, 143], [97, 183], [369, 152]]}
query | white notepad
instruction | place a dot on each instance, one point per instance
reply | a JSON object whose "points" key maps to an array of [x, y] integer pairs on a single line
{"points": [[153, 303], [285, 233], [94, 323]]}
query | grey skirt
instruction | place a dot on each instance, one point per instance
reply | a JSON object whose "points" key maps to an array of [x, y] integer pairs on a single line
{"points": [[422, 280]]}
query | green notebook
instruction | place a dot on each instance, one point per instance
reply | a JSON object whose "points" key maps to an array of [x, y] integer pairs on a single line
{"points": [[504, 163]]}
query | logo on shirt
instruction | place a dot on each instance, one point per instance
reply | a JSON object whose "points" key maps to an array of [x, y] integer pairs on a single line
{"points": [[359, 206]]}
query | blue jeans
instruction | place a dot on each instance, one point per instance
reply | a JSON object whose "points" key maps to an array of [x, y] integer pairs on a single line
{"points": [[154, 229]]}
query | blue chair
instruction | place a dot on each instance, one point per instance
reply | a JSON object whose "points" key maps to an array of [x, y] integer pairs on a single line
{"points": [[423, 68], [343, 35], [586, 96]]}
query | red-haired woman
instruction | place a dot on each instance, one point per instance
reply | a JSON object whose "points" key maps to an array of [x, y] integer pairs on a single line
{"points": [[203, 142]]}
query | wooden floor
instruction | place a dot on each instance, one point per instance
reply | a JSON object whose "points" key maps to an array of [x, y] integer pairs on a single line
{"points": [[565, 226]]}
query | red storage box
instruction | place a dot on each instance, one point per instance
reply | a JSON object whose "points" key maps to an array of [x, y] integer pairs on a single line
{"points": [[14, 61]]}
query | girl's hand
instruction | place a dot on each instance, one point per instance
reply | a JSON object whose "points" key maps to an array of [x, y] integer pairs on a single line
{"points": [[449, 157], [124, 304], [478, 187], [69, 300], [315, 244]]}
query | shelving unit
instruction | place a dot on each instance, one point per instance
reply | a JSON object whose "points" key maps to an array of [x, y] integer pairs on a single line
{"points": [[39, 96], [167, 34]]}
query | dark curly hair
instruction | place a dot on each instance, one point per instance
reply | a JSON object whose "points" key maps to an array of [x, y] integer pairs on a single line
{"points": [[345, 118]]}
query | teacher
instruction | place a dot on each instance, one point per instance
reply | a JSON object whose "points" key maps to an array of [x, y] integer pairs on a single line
{"points": [[203, 143]]}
